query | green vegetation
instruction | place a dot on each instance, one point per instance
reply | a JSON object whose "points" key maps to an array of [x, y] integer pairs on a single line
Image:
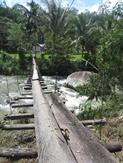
{"points": [[73, 41], [92, 109], [14, 139], [13, 64]]}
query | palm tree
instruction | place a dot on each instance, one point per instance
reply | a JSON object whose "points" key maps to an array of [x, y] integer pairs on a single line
{"points": [[90, 27], [85, 34], [30, 21], [55, 22]]}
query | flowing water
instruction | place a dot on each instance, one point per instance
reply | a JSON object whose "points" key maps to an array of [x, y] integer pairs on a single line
{"points": [[11, 86], [71, 98]]}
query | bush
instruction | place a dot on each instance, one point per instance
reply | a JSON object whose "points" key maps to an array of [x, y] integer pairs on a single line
{"points": [[92, 109]]}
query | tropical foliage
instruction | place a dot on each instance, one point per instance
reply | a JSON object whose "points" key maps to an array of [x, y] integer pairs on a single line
{"points": [[97, 36]]}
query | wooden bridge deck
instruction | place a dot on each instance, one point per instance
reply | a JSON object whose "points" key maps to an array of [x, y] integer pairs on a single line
{"points": [[60, 136]]}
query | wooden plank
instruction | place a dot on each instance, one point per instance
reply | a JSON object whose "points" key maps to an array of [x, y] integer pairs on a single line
{"points": [[94, 122], [17, 127], [51, 144], [15, 153], [18, 116], [47, 91], [30, 82], [26, 93], [42, 81], [30, 93], [23, 97], [12, 102], [85, 147], [44, 87], [27, 88], [43, 84], [35, 72], [21, 105], [28, 85]]}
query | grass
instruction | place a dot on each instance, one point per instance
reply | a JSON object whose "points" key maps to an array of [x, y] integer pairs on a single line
{"points": [[12, 139], [111, 109], [13, 56], [73, 57], [112, 132]]}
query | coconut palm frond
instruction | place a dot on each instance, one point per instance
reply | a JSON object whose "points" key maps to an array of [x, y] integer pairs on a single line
{"points": [[20, 8]]}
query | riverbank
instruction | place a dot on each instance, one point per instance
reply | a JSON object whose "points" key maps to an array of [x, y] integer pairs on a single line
{"points": [[12, 64]]}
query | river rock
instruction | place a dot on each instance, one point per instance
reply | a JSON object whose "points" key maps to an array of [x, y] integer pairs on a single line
{"points": [[78, 78]]}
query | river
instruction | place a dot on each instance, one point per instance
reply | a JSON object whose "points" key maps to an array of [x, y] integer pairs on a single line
{"points": [[71, 98], [11, 86]]}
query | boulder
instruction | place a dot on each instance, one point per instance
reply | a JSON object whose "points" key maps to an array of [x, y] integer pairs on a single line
{"points": [[78, 78]]}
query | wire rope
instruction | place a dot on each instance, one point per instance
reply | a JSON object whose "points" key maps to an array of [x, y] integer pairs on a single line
{"points": [[7, 85]]}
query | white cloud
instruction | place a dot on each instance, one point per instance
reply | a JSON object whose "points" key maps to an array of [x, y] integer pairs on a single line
{"points": [[111, 2], [64, 3], [9, 2], [81, 5], [13, 2], [93, 8]]}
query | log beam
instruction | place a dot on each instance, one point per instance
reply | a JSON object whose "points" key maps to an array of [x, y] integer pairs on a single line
{"points": [[18, 127], [52, 147], [44, 87], [18, 116], [18, 153], [27, 88], [28, 85], [23, 97], [112, 147], [94, 122], [21, 105], [60, 135], [79, 137], [43, 84], [47, 92], [26, 93]]}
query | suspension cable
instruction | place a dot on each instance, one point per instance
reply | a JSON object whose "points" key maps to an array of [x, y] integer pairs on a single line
{"points": [[18, 84], [71, 4], [8, 94]]}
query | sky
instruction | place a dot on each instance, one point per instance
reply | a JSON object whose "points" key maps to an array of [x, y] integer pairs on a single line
{"points": [[81, 5]]}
